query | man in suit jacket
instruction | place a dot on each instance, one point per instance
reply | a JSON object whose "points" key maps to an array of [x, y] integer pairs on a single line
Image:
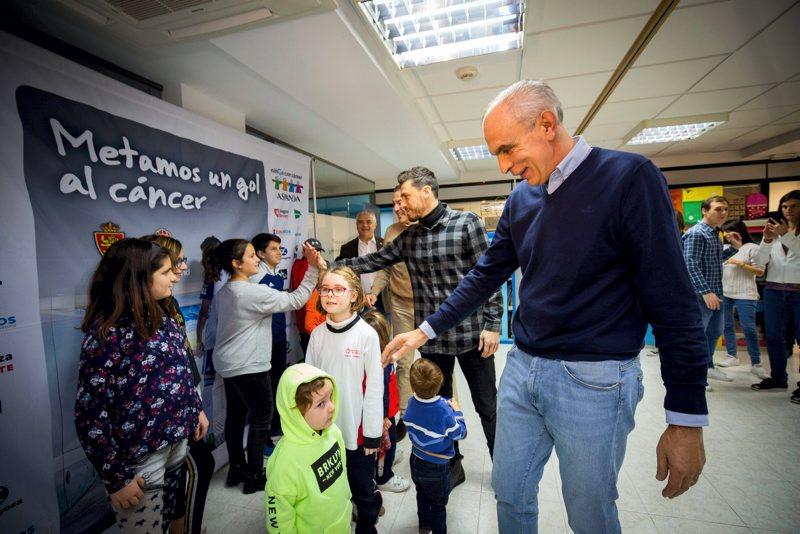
{"points": [[366, 243]]}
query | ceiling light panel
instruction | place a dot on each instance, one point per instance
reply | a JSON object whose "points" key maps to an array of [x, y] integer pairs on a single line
{"points": [[465, 153], [655, 131], [419, 32]]}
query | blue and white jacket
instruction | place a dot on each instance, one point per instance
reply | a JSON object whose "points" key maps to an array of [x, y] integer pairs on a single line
{"points": [[433, 425]]}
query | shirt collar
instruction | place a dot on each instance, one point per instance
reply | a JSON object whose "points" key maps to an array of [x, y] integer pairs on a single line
{"points": [[427, 401], [264, 266], [366, 242], [567, 166]]}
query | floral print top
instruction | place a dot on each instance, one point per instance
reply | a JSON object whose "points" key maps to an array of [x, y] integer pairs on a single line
{"points": [[135, 396]]}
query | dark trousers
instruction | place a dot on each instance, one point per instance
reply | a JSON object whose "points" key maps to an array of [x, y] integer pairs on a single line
{"points": [[278, 366], [481, 379], [304, 339], [433, 490], [249, 400], [778, 306], [388, 456], [366, 497], [197, 473]]}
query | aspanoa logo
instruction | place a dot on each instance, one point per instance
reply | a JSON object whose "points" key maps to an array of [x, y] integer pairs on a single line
{"points": [[7, 321], [281, 214], [288, 190]]}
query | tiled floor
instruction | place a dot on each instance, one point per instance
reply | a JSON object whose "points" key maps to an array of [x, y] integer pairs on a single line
{"points": [[751, 482]]}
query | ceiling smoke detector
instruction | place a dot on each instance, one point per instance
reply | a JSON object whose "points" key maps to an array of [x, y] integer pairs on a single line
{"points": [[467, 74]]}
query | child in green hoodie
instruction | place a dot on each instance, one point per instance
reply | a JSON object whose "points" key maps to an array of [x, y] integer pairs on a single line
{"points": [[307, 488]]}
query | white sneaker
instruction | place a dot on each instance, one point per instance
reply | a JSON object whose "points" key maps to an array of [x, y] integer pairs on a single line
{"points": [[396, 484], [709, 389], [730, 361], [759, 371], [716, 374], [398, 456]]}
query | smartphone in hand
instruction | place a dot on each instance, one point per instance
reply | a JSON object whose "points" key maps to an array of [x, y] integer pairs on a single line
{"points": [[776, 217]]}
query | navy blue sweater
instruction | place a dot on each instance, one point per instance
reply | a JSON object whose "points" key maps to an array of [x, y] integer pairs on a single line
{"points": [[600, 258]]}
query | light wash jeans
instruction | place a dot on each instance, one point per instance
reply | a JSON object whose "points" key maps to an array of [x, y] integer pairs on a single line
{"points": [[583, 409], [747, 318], [148, 515]]}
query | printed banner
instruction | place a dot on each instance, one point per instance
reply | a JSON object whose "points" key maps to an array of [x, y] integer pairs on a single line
{"points": [[88, 161]]}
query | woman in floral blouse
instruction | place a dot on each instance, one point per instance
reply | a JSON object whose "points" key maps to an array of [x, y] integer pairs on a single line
{"points": [[136, 403]]}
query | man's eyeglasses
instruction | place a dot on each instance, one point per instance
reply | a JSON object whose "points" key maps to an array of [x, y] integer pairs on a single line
{"points": [[337, 291]]}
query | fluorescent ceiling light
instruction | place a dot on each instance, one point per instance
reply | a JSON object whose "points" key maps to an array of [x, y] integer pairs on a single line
{"points": [[464, 153], [670, 130], [419, 32]]}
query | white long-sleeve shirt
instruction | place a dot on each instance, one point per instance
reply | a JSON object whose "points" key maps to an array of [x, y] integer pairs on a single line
{"points": [[737, 282], [782, 267], [244, 323], [350, 352]]}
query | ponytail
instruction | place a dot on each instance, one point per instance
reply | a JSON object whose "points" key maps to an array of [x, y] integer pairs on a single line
{"points": [[227, 251]]}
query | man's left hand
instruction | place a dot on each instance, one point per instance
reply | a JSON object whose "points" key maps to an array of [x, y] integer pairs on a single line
{"points": [[489, 343], [681, 454]]}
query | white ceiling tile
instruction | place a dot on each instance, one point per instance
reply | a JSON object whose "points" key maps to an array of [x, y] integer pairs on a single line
{"points": [[756, 118], [494, 70], [764, 133], [577, 91], [463, 106], [708, 142], [789, 119], [772, 56], [613, 144], [470, 129], [710, 29], [488, 164], [599, 132], [412, 83], [786, 94], [664, 79], [574, 116], [441, 132], [712, 101], [428, 110], [630, 110], [581, 50], [645, 150], [553, 14]]}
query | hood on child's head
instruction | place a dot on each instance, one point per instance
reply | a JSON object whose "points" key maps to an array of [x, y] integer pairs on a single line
{"points": [[294, 425]]}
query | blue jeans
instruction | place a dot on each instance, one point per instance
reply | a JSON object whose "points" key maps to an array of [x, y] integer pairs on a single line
{"points": [[432, 482], [583, 409], [777, 305], [712, 323], [747, 319]]}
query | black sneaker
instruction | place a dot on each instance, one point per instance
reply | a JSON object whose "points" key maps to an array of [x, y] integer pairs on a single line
{"points": [[769, 383], [795, 398], [235, 476], [252, 484]]}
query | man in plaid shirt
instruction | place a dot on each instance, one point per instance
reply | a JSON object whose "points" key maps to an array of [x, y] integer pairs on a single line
{"points": [[702, 251], [439, 252]]}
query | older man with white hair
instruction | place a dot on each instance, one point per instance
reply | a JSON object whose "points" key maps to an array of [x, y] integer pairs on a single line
{"points": [[593, 231]]}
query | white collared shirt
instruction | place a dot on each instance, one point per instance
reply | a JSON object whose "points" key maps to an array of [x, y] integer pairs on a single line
{"points": [[363, 249], [568, 165]]}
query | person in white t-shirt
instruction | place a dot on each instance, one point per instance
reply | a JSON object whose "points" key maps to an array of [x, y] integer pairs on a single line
{"points": [[740, 293], [348, 349]]}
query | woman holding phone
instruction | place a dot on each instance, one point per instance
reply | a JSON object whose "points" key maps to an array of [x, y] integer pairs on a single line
{"points": [[780, 252]]}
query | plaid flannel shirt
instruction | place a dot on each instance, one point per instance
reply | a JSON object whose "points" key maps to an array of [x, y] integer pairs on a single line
{"points": [[437, 259], [703, 254]]}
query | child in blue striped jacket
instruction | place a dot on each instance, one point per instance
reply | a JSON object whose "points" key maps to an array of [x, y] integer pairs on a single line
{"points": [[433, 425]]}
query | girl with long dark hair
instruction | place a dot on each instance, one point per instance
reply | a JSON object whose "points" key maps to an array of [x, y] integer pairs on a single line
{"points": [[136, 403]]}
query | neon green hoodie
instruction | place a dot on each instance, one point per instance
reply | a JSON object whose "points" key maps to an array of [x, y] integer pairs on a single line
{"points": [[307, 489]]}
